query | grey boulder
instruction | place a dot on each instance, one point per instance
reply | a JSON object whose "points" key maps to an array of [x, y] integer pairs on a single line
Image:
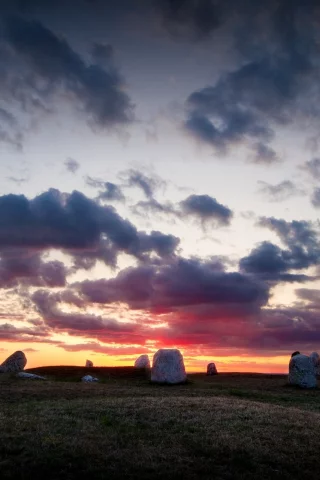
{"points": [[142, 362], [15, 363], [302, 371], [168, 367]]}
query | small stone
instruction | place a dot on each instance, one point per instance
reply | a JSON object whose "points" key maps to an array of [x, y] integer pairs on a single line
{"points": [[89, 364], [89, 379], [168, 367], [15, 363], [31, 376], [212, 369], [142, 362]]}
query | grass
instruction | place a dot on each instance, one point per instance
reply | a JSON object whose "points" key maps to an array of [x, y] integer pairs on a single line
{"points": [[225, 427]]}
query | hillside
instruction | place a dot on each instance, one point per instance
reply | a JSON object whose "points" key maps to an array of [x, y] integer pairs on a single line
{"points": [[226, 427]]}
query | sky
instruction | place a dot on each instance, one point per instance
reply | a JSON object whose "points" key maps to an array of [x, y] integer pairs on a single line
{"points": [[160, 181]]}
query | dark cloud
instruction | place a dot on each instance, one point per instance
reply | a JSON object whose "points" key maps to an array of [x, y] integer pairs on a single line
{"points": [[10, 333], [74, 222], [86, 258], [274, 263], [47, 306], [183, 282], [281, 191], [313, 168], [277, 47], [190, 17], [148, 184], [270, 263], [72, 165], [311, 295], [297, 233], [26, 266], [9, 129], [45, 66], [111, 192], [108, 191], [206, 209], [263, 154], [164, 245]]}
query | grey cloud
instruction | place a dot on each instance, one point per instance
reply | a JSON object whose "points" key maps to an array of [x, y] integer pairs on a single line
{"points": [[313, 168], [299, 233], [21, 265], [46, 64], [72, 165], [264, 154], [108, 191], [76, 225], [16, 180], [48, 306], [148, 184], [270, 87], [311, 295], [182, 282], [281, 191], [206, 209], [273, 263]]}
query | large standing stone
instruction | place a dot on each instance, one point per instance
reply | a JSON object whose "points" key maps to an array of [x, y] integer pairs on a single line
{"points": [[302, 371], [142, 362], [15, 363], [212, 369], [168, 367], [89, 364]]}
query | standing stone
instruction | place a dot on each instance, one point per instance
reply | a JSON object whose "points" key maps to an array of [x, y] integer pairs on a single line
{"points": [[316, 360], [168, 367], [142, 362], [89, 364], [15, 363], [212, 369], [302, 371]]}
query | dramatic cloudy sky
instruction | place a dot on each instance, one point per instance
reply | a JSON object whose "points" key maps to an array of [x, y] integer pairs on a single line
{"points": [[160, 180]]}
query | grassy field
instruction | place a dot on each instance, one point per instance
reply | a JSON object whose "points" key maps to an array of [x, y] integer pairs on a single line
{"points": [[231, 426]]}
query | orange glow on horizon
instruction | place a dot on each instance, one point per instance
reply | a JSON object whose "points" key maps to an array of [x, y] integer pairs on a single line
{"points": [[49, 355]]}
